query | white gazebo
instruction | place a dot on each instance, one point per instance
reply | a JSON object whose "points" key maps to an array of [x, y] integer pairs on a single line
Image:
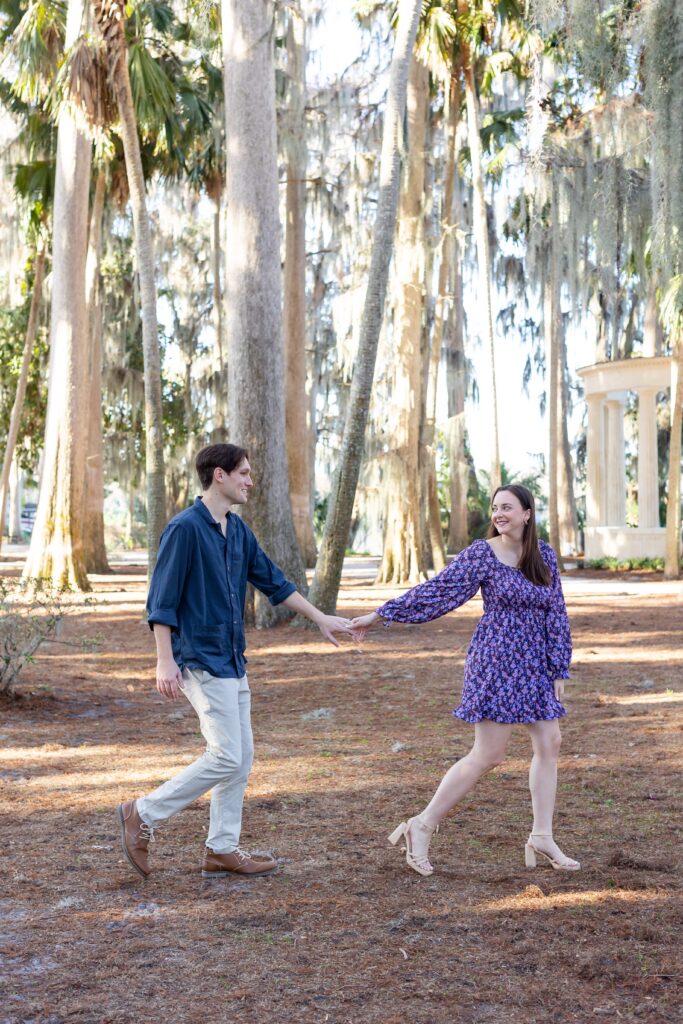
{"points": [[606, 386]]}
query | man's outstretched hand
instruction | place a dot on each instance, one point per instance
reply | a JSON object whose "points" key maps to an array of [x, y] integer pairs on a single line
{"points": [[327, 624], [331, 624]]}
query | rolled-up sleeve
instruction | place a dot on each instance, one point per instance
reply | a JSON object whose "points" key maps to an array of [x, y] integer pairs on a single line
{"points": [[169, 576], [266, 576]]}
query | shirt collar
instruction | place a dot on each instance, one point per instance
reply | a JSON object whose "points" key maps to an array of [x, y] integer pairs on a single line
{"points": [[203, 511]]}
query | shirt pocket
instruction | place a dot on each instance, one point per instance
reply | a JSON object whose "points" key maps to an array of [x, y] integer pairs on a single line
{"points": [[212, 639]]}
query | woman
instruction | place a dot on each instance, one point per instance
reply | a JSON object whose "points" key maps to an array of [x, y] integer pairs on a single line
{"points": [[514, 670]]}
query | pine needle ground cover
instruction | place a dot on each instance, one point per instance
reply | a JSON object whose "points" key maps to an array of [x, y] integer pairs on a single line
{"points": [[348, 743]]}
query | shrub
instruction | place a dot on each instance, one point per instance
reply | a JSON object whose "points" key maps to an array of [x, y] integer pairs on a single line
{"points": [[30, 616]]}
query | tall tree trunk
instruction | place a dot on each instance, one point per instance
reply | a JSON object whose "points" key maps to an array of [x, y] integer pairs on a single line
{"points": [[481, 232], [110, 15], [432, 533], [456, 381], [22, 382], [335, 538], [184, 498], [567, 515], [253, 282], [402, 558], [56, 552], [448, 335], [653, 341], [94, 549], [552, 315], [458, 532], [297, 406], [672, 563], [215, 187], [14, 525]]}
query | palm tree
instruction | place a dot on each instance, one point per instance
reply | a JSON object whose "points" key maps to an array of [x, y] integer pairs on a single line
{"points": [[95, 552], [297, 407], [56, 551], [470, 20], [402, 558], [340, 508], [110, 16]]}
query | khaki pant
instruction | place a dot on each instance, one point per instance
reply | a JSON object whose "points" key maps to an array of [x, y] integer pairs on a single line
{"points": [[223, 707]]}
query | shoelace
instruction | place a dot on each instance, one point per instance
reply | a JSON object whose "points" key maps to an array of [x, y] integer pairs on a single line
{"points": [[242, 854], [146, 832]]}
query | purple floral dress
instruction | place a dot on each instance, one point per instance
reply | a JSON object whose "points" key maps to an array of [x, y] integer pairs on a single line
{"points": [[522, 641]]}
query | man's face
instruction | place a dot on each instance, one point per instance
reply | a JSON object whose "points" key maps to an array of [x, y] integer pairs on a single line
{"points": [[235, 486]]}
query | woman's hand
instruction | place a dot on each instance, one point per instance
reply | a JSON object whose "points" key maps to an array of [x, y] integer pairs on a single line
{"points": [[361, 624], [558, 685]]}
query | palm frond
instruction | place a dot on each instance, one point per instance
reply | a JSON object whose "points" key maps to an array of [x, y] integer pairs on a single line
{"points": [[436, 38], [154, 94], [83, 85], [35, 49]]}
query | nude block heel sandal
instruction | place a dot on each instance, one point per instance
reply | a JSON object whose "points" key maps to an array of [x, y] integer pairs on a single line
{"points": [[420, 864], [530, 852]]}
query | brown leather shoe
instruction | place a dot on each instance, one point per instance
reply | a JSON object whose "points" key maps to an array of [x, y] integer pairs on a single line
{"points": [[135, 836], [239, 862]]}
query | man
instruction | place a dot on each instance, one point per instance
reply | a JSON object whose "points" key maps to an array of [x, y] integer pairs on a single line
{"points": [[207, 555]]}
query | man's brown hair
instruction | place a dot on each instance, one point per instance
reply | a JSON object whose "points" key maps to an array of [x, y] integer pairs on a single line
{"points": [[218, 456]]}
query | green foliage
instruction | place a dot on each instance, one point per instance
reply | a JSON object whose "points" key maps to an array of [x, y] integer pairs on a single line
{"points": [[36, 43], [153, 91], [176, 428], [664, 84], [626, 564], [13, 325], [320, 515]]}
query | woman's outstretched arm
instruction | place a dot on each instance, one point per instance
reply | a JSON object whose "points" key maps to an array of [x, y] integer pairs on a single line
{"points": [[449, 589]]}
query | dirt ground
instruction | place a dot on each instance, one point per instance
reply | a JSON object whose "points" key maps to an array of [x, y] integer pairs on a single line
{"points": [[344, 932]]}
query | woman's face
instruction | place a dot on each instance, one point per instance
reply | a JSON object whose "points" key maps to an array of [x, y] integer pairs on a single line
{"points": [[508, 514]]}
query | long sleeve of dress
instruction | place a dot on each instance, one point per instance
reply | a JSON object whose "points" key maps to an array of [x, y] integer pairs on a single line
{"points": [[557, 634], [449, 589]]}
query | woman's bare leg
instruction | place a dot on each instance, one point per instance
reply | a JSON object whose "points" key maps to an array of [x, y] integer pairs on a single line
{"points": [[545, 741], [490, 743]]}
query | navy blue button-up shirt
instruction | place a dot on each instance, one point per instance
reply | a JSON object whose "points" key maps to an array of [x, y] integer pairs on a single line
{"points": [[199, 587]]}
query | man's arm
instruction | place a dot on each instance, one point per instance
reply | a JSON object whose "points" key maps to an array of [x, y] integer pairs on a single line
{"points": [[168, 674], [165, 592], [327, 624]]}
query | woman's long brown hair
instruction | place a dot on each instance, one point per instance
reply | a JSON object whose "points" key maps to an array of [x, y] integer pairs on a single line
{"points": [[531, 563]]}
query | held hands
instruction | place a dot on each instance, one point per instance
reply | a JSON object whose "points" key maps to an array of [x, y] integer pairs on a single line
{"points": [[169, 679], [361, 624], [331, 624]]}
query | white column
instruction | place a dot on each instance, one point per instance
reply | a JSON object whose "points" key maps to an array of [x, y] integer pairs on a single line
{"points": [[648, 486], [595, 453], [616, 463]]}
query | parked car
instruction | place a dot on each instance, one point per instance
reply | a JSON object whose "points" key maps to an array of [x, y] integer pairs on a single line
{"points": [[28, 516]]}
